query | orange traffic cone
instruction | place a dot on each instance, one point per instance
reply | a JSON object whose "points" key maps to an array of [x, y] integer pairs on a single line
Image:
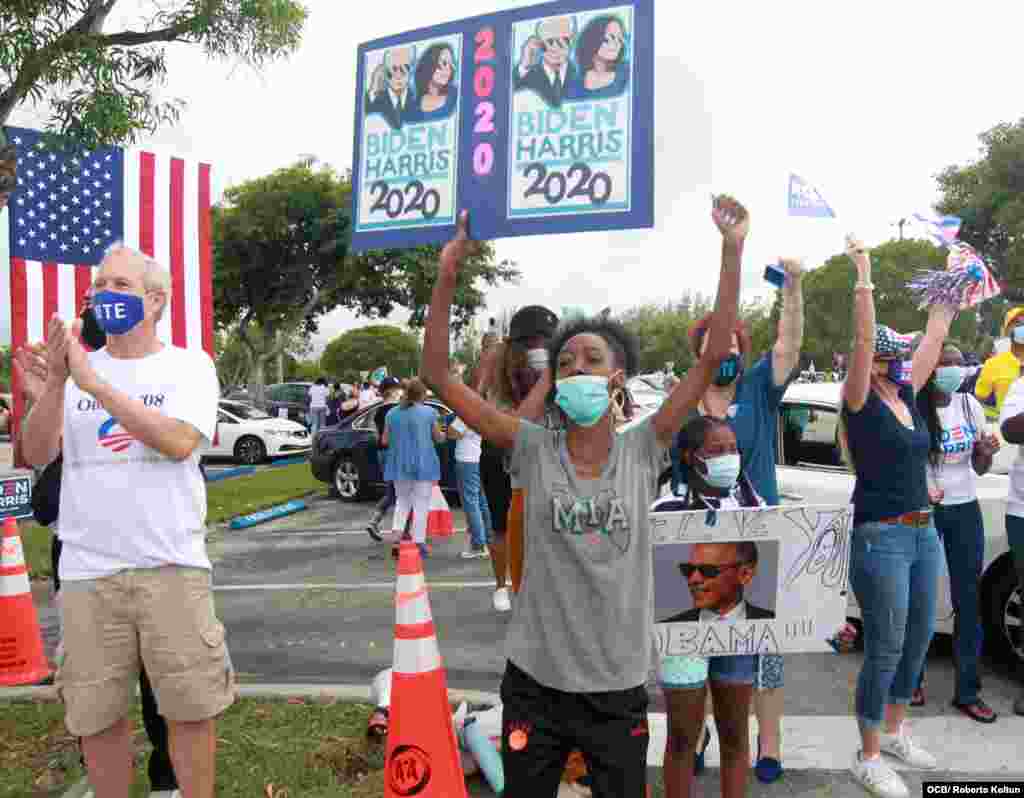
{"points": [[439, 522], [21, 647], [422, 756]]}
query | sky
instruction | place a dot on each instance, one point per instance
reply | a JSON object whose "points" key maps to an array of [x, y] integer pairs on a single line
{"points": [[866, 101]]}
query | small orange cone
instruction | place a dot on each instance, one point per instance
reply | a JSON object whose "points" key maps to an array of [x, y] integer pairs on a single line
{"points": [[422, 755], [439, 522], [21, 646]]}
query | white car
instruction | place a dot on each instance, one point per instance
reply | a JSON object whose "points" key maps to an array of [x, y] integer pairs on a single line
{"points": [[810, 471], [248, 435]]}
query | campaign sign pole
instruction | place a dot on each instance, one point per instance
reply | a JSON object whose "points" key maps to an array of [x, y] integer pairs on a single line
{"points": [[537, 120]]}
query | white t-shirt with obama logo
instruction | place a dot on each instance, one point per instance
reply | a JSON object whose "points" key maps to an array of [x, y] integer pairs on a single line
{"points": [[122, 504]]}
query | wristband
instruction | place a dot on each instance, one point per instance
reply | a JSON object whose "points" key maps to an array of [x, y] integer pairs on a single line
{"points": [[859, 286]]}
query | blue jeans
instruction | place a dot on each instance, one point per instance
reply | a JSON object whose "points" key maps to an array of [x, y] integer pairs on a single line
{"points": [[317, 416], [474, 503], [963, 536], [894, 572]]}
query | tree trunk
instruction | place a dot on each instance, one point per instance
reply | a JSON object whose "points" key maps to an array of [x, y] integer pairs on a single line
{"points": [[256, 381]]}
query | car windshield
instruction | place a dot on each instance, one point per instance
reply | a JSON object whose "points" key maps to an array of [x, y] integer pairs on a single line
{"points": [[247, 412]]}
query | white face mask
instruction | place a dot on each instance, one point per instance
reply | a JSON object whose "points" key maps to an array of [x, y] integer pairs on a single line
{"points": [[537, 358]]}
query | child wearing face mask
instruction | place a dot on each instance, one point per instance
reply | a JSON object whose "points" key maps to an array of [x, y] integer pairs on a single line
{"points": [[712, 480]]}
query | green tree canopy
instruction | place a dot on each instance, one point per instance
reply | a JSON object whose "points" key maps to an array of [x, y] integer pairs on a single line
{"points": [[358, 351], [988, 195], [282, 261], [101, 86], [828, 299], [662, 331]]}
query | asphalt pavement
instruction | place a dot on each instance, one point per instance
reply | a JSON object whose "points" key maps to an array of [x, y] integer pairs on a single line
{"points": [[308, 599]]}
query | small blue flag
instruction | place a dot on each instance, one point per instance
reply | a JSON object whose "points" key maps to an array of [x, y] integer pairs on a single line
{"points": [[805, 200]]}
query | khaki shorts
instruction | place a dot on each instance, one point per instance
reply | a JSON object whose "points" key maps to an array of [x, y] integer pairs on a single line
{"points": [[163, 617]]}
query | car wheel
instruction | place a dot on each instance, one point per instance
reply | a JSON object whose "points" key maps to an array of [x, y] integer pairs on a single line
{"points": [[1004, 612], [347, 482], [250, 450]]}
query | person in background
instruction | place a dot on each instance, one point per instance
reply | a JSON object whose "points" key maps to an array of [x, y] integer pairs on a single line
{"points": [[317, 396], [367, 396], [334, 399], [411, 432], [1000, 371], [748, 399], [895, 554], [474, 502], [509, 377], [1011, 423], [961, 450], [392, 392]]}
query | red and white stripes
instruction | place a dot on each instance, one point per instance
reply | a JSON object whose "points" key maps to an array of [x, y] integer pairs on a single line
{"points": [[416, 650]]}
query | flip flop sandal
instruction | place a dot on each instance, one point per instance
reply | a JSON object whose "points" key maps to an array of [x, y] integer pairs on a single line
{"points": [[979, 711], [377, 725]]}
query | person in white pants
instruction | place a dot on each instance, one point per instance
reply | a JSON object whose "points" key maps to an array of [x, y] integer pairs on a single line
{"points": [[412, 431]]}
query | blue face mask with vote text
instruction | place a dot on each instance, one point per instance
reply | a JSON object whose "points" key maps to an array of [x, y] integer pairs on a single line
{"points": [[117, 313]]}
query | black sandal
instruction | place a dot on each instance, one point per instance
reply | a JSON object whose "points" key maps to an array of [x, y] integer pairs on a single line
{"points": [[978, 710]]}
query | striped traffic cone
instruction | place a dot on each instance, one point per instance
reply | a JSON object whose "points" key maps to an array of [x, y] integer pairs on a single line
{"points": [[422, 755], [439, 521], [21, 646]]}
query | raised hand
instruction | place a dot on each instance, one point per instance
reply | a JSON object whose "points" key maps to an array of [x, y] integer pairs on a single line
{"points": [[30, 366], [459, 248], [530, 50], [855, 248], [56, 350], [731, 218], [794, 267]]}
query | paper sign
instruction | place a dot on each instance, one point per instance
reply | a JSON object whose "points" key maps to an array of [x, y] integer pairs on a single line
{"points": [[790, 593], [536, 120], [282, 412]]}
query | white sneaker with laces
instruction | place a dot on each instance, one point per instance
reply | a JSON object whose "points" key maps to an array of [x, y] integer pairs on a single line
{"points": [[878, 778], [502, 602], [902, 747]]}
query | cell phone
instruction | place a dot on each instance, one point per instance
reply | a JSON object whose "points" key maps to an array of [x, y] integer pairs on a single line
{"points": [[775, 275]]}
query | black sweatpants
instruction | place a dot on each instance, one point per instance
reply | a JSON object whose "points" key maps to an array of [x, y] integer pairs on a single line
{"points": [[497, 485], [161, 771], [541, 726]]}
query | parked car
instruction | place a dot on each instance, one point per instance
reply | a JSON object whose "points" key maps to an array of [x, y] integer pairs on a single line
{"points": [[643, 396], [249, 435], [346, 456], [810, 470], [291, 397]]}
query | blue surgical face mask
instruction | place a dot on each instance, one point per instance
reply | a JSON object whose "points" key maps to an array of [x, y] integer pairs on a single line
{"points": [[722, 471], [583, 398], [948, 379], [1018, 335], [117, 313], [729, 370]]}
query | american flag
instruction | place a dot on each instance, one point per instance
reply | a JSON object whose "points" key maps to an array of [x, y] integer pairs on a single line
{"points": [[69, 206]]}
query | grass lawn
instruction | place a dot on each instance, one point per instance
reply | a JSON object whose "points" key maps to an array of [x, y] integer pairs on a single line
{"points": [[224, 500], [305, 749], [310, 749]]}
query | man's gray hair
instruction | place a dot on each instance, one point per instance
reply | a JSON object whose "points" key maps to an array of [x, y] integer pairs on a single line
{"points": [[412, 55], [154, 276]]}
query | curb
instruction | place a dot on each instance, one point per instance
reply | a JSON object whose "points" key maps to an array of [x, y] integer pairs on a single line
{"points": [[345, 692]]}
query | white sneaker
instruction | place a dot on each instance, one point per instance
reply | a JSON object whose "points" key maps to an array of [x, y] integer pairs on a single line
{"points": [[165, 794], [502, 601], [878, 778], [902, 747]]}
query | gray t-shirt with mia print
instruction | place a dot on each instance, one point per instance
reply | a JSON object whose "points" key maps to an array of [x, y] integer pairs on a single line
{"points": [[584, 615]]}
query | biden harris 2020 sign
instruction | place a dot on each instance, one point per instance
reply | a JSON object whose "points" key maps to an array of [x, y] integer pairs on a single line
{"points": [[536, 120]]}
